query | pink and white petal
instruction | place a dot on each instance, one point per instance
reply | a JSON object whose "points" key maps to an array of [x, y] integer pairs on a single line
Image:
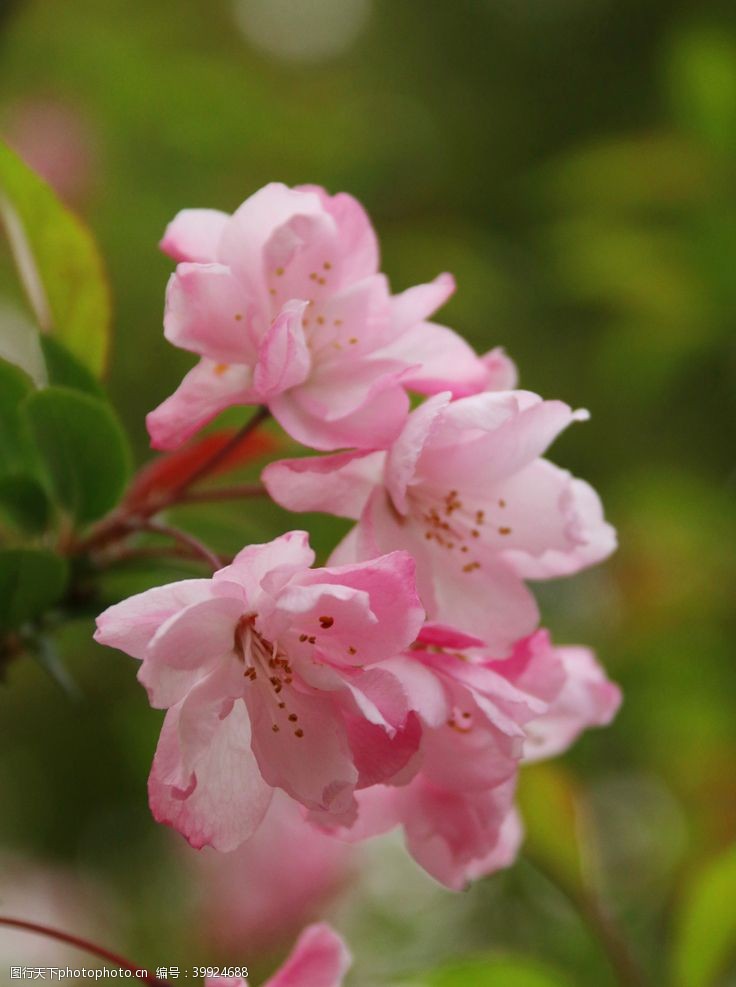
{"points": [[339, 484], [319, 959], [194, 235], [301, 258], [372, 426], [441, 360], [226, 798], [357, 239], [404, 454], [588, 698], [131, 624], [590, 537], [416, 304], [396, 613], [269, 566], [505, 851], [422, 688], [382, 758], [198, 633], [489, 602], [309, 757], [209, 312], [469, 758], [206, 390], [352, 323], [501, 370], [341, 387], [283, 358]]}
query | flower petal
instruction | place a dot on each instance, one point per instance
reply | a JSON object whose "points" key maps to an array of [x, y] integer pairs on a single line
{"points": [[319, 959], [339, 484], [283, 357], [194, 235]]}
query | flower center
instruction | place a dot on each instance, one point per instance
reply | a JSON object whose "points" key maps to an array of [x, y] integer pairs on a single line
{"points": [[456, 525], [263, 660]]}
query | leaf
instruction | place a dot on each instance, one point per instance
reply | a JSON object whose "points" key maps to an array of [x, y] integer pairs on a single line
{"points": [[65, 370], [30, 582], [83, 449], [24, 503], [45, 653], [58, 262], [16, 451], [491, 971], [706, 929], [553, 821], [172, 470]]}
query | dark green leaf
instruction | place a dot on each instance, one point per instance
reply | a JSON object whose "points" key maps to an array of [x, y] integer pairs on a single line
{"points": [[82, 447], [16, 452], [30, 582], [24, 503], [65, 370], [57, 260]]}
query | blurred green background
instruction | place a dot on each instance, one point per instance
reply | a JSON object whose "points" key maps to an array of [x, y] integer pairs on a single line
{"points": [[573, 163]]}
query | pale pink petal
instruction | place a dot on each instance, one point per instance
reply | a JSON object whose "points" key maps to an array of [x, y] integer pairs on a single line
{"points": [[339, 484], [352, 323], [206, 390], [382, 757], [403, 456], [194, 235], [341, 387], [226, 798], [301, 258], [269, 566], [587, 698], [501, 370], [198, 633], [283, 357], [440, 360], [319, 959], [209, 312], [416, 304], [357, 239], [504, 853]]}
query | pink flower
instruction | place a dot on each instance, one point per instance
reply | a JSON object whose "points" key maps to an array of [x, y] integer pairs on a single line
{"points": [[458, 810], [261, 894], [320, 958], [285, 306], [464, 490], [268, 673]]}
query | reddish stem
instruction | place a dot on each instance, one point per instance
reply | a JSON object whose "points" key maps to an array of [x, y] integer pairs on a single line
{"points": [[142, 975]]}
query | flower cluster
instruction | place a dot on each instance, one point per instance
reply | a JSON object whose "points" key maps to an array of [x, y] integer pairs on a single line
{"points": [[407, 681]]}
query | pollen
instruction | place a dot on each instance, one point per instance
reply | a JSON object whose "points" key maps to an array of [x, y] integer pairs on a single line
{"points": [[279, 271], [303, 637], [504, 531], [320, 320], [275, 727], [327, 266], [353, 340], [299, 733], [293, 717], [326, 622], [221, 368], [352, 650]]}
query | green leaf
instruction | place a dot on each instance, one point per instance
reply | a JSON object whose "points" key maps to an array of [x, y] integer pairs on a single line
{"points": [[553, 820], [16, 451], [65, 370], [24, 504], [45, 653], [30, 582], [83, 448], [706, 930], [491, 971], [58, 262]]}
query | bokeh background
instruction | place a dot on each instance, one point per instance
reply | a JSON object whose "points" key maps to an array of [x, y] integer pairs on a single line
{"points": [[573, 163]]}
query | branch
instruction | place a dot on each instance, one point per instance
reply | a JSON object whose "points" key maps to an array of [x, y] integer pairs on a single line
{"points": [[184, 539], [141, 975]]}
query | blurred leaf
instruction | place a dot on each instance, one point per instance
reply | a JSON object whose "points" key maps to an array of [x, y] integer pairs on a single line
{"points": [[45, 653], [491, 971], [83, 449], [701, 75], [65, 370], [706, 936], [551, 812], [172, 470], [30, 581], [57, 260], [16, 451], [24, 502]]}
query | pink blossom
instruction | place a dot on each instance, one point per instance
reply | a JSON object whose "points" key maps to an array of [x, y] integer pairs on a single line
{"points": [[284, 303], [269, 673], [320, 958], [464, 490], [458, 810], [261, 894]]}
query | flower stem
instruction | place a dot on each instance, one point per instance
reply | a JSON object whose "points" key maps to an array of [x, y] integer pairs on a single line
{"points": [[184, 539], [141, 975]]}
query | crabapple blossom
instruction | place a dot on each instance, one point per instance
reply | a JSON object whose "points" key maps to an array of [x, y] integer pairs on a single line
{"points": [[458, 810], [464, 490], [320, 958], [284, 303], [269, 674]]}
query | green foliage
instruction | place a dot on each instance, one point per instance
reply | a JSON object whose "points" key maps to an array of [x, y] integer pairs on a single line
{"points": [[16, 453], [30, 581], [491, 971], [706, 936], [24, 503], [58, 262], [65, 370], [83, 448], [552, 818]]}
